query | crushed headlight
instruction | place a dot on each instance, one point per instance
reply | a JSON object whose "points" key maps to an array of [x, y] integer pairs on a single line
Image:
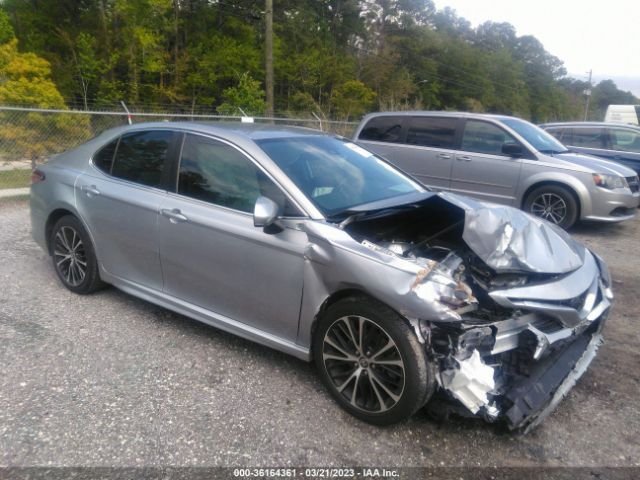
{"points": [[609, 181]]}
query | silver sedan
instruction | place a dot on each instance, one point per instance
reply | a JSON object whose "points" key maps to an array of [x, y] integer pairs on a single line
{"points": [[312, 245]]}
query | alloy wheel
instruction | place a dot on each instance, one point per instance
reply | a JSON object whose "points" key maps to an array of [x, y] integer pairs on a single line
{"points": [[70, 256], [364, 364], [549, 206]]}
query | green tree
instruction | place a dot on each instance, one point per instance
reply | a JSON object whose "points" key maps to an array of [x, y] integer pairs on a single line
{"points": [[247, 97], [352, 99]]}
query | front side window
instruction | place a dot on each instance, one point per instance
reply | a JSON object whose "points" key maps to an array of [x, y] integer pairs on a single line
{"points": [[432, 132], [484, 137], [559, 133], [217, 173], [335, 174], [383, 129], [141, 157], [625, 140], [586, 137]]}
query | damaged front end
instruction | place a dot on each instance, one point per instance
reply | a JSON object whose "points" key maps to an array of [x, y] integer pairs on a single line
{"points": [[512, 310]]}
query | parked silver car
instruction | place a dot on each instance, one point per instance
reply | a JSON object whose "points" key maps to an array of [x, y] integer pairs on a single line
{"points": [[312, 245], [504, 160]]}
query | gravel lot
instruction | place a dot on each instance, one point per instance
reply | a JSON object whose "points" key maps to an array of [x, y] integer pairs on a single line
{"points": [[109, 380]]}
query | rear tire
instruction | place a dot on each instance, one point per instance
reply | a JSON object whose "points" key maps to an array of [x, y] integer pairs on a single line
{"points": [[73, 255], [553, 203], [371, 361]]}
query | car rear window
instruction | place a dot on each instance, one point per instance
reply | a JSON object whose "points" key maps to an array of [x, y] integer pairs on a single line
{"points": [[432, 132], [383, 129], [141, 157]]}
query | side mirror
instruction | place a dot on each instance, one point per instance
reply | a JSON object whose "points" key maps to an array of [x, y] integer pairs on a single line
{"points": [[265, 212], [513, 150]]}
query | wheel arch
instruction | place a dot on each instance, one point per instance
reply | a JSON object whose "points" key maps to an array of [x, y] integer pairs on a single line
{"points": [[342, 294], [556, 183]]}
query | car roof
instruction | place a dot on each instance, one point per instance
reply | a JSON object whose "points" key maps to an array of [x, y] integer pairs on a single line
{"points": [[251, 131], [436, 113], [590, 124]]}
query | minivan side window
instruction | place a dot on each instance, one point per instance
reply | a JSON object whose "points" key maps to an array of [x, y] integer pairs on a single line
{"points": [[585, 137], [382, 129], [625, 140], [484, 137], [217, 173], [432, 132], [141, 156], [103, 159], [559, 133]]}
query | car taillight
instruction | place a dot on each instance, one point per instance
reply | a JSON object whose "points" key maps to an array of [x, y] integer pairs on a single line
{"points": [[37, 176]]}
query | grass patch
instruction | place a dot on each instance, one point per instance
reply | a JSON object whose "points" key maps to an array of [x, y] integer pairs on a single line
{"points": [[15, 178]]}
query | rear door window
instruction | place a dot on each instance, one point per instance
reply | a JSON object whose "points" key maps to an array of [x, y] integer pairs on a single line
{"points": [[484, 137], [142, 156], [383, 129], [586, 137], [432, 132]]}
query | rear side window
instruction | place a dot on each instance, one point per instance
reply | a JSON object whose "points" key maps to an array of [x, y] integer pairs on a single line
{"points": [[383, 129], [217, 173], [141, 157], [625, 140], [585, 137], [484, 137], [432, 132], [559, 133], [103, 159]]}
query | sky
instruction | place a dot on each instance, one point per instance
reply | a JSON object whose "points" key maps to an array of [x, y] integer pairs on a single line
{"points": [[585, 35]]}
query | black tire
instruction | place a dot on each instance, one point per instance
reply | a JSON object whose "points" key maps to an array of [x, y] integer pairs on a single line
{"points": [[554, 203], [73, 256], [375, 404]]}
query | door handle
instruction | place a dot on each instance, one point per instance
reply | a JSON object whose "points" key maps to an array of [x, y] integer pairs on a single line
{"points": [[463, 158], [446, 156], [174, 215], [90, 190]]}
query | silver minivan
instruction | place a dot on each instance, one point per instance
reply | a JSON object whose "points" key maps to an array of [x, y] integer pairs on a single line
{"points": [[504, 160]]}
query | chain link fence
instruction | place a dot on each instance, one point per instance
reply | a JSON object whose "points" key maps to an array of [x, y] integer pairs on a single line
{"points": [[28, 136]]}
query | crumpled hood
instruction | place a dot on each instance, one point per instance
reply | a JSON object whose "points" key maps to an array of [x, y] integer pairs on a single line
{"points": [[510, 240]]}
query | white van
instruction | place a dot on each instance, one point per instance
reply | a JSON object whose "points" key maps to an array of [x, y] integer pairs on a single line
{"points": [[623, 114]]}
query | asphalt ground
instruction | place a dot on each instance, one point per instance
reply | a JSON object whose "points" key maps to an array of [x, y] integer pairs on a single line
{"points": [[109, 380]]}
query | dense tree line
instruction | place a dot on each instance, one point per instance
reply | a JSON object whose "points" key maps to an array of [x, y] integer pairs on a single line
{"points": [[337, 58]]}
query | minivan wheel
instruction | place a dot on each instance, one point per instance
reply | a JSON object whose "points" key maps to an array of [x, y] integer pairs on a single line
{"points": [[73, 256], [553, 203], [371, 361]]}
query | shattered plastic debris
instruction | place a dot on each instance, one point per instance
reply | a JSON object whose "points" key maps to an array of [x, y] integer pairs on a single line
{"points": [[440, 283], [470, 383], [508, 239]]}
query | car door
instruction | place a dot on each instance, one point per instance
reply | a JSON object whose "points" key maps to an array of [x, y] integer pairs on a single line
{"points": [[481, 169], [625, 147], [119, 197], [214, 257], [586, 139], [430, 148]]}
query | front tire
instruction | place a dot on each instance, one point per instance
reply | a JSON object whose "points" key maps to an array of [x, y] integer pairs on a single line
{"points": [[553, 203], [73, 255], [371, 361]]}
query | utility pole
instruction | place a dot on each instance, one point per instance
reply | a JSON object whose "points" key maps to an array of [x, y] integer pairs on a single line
{"points": [[587, 92], [268, 61]]}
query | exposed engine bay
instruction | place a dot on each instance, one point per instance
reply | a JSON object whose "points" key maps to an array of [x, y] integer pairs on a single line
{"points": [[514, 316]]}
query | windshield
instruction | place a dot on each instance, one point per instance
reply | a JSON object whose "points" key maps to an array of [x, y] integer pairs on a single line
{"points": [[537, 138], [336, 175]]}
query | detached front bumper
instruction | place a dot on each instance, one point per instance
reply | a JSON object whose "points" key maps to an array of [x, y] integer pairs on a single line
{"points": [[518, 369]]}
